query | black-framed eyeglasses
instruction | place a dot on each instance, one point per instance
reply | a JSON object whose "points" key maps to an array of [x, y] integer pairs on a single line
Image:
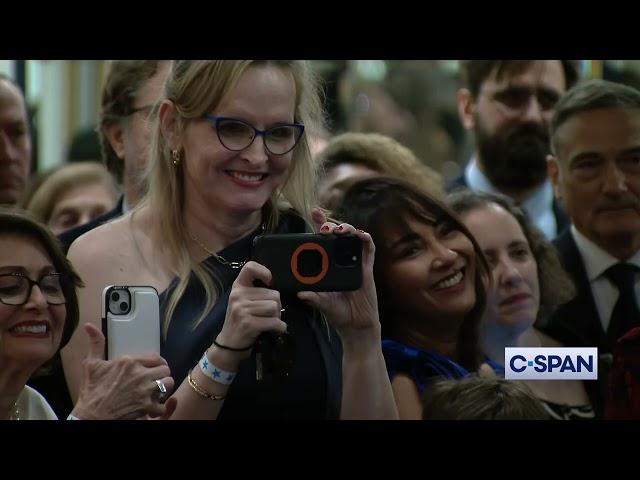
{"points": [[518, 98], [236, 135], [15, 288]]}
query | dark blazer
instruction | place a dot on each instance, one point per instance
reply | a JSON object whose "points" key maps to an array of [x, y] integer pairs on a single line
{"points": [[562, 220], [68, 237], [577, 323]]}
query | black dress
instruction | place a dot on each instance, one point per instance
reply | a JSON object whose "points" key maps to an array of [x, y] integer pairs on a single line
{"points": [[313, 386]]}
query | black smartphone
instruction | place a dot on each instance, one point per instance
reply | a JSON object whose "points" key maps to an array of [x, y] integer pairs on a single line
{"points": [[313, 262]]}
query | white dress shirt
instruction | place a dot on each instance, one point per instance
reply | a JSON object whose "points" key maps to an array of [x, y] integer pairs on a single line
{"points": [[538, 205]]}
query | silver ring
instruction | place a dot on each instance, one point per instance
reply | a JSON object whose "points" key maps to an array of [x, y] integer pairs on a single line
{"points": [[162, 388]]}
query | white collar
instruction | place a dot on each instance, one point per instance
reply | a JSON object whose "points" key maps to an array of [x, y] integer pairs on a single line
{"points": [[596, 260], [539, 201]]}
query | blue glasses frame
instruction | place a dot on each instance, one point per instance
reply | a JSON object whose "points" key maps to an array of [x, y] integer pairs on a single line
{"points": [[215, 120]]}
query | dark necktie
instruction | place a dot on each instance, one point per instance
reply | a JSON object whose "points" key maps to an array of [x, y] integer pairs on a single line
{"points": [[626, 314]]}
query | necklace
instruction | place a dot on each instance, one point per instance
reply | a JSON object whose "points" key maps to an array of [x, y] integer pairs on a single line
{"points": [[220, 258], [15, 415]]}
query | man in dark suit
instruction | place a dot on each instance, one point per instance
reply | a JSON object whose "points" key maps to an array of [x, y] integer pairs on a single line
{"points": [[131, 90], [595, 170], [508, 104]]}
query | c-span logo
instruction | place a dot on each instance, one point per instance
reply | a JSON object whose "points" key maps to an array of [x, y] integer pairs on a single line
{"points": [[551, 363]]}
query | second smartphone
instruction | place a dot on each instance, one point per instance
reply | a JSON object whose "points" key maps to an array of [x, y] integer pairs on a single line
{"points": [[130, 320]]}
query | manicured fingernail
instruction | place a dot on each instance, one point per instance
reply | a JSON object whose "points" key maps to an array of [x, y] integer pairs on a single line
{"points": [[325, 228], [340, 227]]}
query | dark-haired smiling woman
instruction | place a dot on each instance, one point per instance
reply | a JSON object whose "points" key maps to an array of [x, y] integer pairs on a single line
{"points": [[429, 275]]}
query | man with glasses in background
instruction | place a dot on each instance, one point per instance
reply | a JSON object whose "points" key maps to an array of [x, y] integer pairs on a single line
{"points": [[508, 104], [131, 90]]}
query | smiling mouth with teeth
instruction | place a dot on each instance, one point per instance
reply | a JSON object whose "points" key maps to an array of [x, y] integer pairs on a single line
{"points": [[449, 282], [246, 177], [32, 329]]}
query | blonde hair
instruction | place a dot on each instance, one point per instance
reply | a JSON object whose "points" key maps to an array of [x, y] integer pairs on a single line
{"points": [[384, 155], [55, 183], [197, 87]]}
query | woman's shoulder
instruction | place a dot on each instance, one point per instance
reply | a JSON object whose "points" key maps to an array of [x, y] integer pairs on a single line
{"points": [[120, 251], [118, 242], [418, 363], [102, 239], [401, 352], [33, 406]]}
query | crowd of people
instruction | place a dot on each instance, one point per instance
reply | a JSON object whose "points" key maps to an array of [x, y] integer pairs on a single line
{"points": [[536, 244]]}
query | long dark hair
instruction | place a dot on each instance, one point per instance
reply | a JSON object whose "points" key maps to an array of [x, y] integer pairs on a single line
{"points": [[381, 201]]}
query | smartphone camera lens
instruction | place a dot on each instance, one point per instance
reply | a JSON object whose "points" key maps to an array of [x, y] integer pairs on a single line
{"points": [[348, 251], [115, 296], [124, 306]]}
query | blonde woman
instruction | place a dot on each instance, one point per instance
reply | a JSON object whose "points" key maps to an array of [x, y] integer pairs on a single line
{"points": [[231, 160]]}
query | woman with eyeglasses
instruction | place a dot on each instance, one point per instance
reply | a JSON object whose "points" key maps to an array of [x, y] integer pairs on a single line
{"points": [[38, 315], [230, 161]]}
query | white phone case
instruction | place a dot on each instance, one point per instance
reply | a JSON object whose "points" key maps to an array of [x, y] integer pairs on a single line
{"points": [[138, 330]]}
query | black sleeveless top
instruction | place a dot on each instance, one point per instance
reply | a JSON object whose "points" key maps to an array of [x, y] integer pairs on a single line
{"points": [[313, 387]]}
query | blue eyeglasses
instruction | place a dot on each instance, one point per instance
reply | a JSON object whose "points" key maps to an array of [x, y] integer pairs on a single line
{"points": [[236, 135]]}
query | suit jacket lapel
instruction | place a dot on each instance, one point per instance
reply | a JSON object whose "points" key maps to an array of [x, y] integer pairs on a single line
{"points": [[577, 321], [562, 219]]}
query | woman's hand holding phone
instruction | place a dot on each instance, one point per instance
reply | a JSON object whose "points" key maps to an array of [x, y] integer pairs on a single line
{"points": [[353, 314]]}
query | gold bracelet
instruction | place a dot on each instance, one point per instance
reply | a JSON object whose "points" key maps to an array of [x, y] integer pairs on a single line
{"points": [[202, 392]]}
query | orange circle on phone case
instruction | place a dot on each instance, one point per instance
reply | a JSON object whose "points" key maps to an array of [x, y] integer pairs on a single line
{"points": [[294, 263]]}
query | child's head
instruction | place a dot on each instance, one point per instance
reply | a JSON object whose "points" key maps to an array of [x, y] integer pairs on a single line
{"points": [[478, 398]]}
